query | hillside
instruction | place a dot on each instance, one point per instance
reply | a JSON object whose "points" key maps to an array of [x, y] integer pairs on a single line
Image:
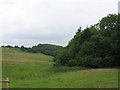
{"points": [[47, 49], [29, 70]]}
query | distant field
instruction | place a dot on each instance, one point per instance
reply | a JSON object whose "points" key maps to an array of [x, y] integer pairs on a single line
{"points": [[28, 70]]}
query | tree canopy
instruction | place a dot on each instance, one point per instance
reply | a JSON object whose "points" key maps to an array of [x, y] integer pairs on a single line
{"points": [[96, 46]]}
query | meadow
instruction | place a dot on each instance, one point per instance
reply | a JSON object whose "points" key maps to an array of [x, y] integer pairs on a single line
{"points": [[30, 70]]}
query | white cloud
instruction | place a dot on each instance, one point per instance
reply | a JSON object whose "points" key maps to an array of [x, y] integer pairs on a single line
{"points": [[29, 22]]}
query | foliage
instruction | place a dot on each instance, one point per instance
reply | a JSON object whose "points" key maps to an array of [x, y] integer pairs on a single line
{"points": [[47, 49], [96, 46]]}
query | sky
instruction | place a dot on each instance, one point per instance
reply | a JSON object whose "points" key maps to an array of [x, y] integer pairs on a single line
{"points": [[119, 7], [31, 22]]}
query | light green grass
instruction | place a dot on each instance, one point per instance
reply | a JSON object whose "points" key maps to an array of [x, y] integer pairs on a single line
{"points": [[28, 70]]}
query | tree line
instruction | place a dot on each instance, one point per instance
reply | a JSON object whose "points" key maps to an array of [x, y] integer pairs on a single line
{"points": [[47, 49], [97, 46]]}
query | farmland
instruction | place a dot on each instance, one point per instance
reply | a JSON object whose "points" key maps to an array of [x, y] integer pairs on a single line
{"points": [[30, 70]]}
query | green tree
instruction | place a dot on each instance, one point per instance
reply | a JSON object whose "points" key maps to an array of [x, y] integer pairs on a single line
{"points": [[96, 46]]}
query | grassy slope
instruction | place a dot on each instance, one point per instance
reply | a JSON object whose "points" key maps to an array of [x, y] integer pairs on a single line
{"points": [[27, 70]]}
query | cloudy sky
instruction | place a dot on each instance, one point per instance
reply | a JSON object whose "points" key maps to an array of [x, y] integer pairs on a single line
{"points": [[30, 22]]}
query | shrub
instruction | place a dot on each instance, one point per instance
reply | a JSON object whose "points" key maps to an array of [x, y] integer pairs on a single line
{"points": [[72, 62]]}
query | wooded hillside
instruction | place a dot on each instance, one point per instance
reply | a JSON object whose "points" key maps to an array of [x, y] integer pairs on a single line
{"points": [[96, 46], [47, 49]]}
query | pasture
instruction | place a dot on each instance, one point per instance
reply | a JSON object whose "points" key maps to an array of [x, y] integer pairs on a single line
{"points": [[29, 70]]}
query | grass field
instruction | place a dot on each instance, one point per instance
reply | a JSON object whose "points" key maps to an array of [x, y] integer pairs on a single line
{"points": [[28, 70]]}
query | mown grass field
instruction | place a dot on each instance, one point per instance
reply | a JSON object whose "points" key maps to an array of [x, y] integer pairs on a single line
{"points": [[28, 70]]}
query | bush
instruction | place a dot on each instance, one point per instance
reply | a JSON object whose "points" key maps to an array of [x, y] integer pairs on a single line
{"points": [[72, 63], [108, 61]]}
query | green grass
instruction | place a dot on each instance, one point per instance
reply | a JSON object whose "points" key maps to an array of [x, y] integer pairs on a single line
{"points": [[28, 70]]}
